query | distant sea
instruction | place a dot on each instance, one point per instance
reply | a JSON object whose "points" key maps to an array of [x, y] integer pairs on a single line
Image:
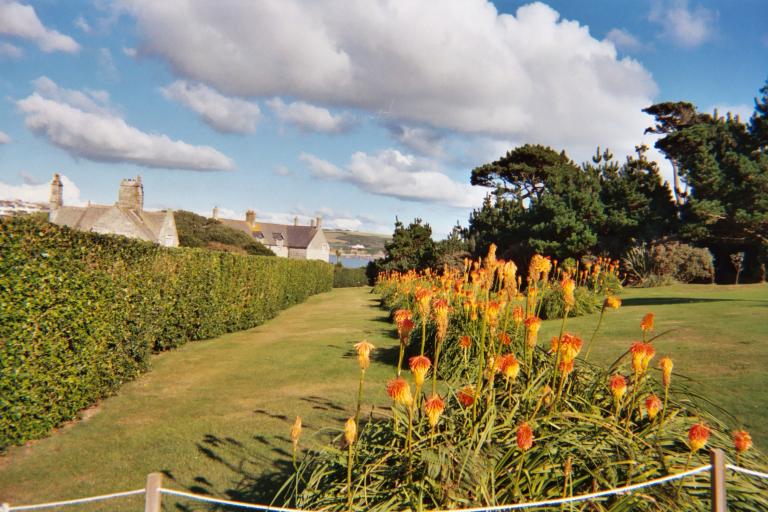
{"points": [[351, 262]]}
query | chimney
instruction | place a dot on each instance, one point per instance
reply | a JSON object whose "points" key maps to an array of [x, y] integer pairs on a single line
{"points": [[215, 213], [318, 220], [250, 217], [312, 222], [57, 192], [295, 221], [131, 194]]}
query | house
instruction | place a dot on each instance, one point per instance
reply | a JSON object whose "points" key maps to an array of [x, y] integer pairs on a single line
{"points": [[126, 217], [14, 207], [285, 240]]}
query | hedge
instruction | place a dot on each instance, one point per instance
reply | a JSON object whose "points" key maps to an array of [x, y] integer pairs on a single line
{"points": [[80, 313], [348, 277]]}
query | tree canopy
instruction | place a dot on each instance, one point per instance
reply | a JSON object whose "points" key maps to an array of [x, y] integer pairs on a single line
{"points": [[198, 231]]}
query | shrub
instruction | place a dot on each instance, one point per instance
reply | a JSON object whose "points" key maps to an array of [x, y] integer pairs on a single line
{"points": [[682, 262], [198, 231], [82, 312], [348, 277]]}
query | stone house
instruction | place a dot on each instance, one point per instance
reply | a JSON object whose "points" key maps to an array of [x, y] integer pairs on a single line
{"points": [[126, 217], [285, 240]]}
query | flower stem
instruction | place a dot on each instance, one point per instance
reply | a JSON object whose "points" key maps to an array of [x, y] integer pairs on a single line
{"points": [[349, 478], [599, 323]]}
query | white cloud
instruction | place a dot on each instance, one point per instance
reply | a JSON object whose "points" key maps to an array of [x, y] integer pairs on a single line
{"points": [[282, 170], [683, 26], [624, 40], [130, 52], [107, 69], [18, 20], [392, 173], [41, 193], [223, 114], [308, 117], [4, 138], [530, 76], [82, 24], [419, 139], [82, 124], [10, 51]]}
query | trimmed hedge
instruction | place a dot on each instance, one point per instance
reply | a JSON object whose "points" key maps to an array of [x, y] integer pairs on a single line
{"points": [[349, 277], [80, 313]]}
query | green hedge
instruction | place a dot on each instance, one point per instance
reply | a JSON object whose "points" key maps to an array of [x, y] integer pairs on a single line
{"points": [[348, 277], [80, 313]]}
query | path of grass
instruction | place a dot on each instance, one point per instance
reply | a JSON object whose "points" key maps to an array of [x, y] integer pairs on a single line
{"points": [[720, 342], [214, 415]]}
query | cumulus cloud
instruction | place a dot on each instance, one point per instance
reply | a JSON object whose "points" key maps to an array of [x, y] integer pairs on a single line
{"points": [[10, 51], [223, 114], [4, 138], [130, 52], [18, 20], [392, 173], [683, 26], [41, 192], [82, 24], [82, 124], [624, 40], [107, 69], [528, 76], [309, 118], [419, 139]]}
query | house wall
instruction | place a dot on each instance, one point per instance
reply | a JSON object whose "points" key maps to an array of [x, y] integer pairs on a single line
{"points": [[279, 251], [297, 254], [168, 236], [318, 248]]}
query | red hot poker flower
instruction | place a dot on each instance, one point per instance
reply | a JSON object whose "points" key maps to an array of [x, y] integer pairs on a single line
{"points": [[647, 322], [419, 367], [434, 407], [698, 436], [399, 391], [652, 405], [524, 437], [466, 396], [742, 441]]}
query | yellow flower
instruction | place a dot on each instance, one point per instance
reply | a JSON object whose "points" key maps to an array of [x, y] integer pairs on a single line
{"points": [[698, 436], [434, 407], [539, 267], [440, 310], [350, 431], [569, 347], [642, 353], [533, 323], [618, 387], [568, 286], [653, 406], [296, 432], [419, 367], [364, 354], [666, 370], [509, 366], [612, 302], [399, 391]]}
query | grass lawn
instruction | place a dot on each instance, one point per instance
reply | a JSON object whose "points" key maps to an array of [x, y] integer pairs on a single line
{"points": [[719, 345], [214, 415]]}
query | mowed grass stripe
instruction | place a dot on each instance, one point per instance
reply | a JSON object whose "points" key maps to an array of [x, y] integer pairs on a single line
{"points": [[215, 414]]}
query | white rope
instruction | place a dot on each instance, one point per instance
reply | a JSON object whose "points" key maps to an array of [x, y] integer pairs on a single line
{"points": [[746, 471], [582, 497], [78, 501], [228, 502]]}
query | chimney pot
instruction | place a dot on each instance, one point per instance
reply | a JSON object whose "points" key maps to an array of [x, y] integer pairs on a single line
{"points": [[215, 213], [318, 221]]}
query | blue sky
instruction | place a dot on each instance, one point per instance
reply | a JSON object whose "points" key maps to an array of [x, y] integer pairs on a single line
{"points": [[355, 111]]}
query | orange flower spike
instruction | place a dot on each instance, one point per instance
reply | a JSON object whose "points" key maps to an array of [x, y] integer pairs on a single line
{"points": [[466, 396], [465, 342], [423, 296], [404, 330], [492, 312], [612, 302], [509, 366], [434, 407], [570, 346], [647, 323], [666, 370], [364, 349], [533, 323], [642, 353], [350, 431], [742, 441], [440, 309], [510, 271], [419, 367], [296, 432], [618, 387], [504, 339], [568, 286], [566, 367], [524, 436], [698, 435], [554, 345], [399, 391], [518, 315], [653, 406], [402, 315]]}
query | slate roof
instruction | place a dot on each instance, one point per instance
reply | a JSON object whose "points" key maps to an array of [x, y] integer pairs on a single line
{"points": [[84, 218], [295, 237]]}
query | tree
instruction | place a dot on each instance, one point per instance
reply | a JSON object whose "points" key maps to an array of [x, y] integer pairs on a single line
{"points": [[411, 247], [758, 124], [198, 231], [454, 248]]}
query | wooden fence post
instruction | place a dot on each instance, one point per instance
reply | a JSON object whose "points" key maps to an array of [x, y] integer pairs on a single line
{"points": [[152, 492], [717, 480]]}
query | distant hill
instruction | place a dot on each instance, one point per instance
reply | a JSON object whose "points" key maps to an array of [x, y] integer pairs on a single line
{"points": [[349, 242]]}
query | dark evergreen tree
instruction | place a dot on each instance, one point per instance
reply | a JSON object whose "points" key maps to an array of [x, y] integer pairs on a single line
{"points": [[411, 247]]}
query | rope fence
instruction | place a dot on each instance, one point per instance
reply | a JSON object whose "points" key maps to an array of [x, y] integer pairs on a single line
{"points": [[153, 492]]}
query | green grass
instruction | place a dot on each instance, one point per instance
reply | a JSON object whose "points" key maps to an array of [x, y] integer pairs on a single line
{"points": [[719, 344], [215, 415]]}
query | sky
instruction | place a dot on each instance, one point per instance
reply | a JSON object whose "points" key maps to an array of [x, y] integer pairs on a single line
{"points": [[354, 111]]}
